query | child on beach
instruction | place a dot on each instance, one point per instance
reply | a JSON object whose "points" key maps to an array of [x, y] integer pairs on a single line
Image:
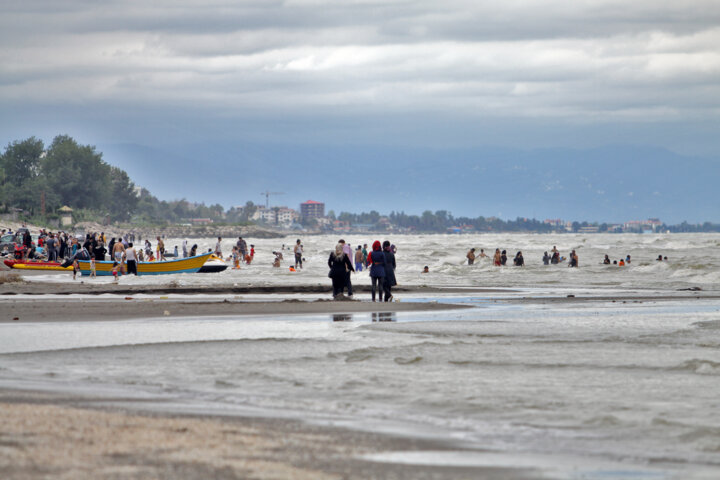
{"points": [[115, 271], [236, 258], [76, 268], [92, 267], [358, 259]]}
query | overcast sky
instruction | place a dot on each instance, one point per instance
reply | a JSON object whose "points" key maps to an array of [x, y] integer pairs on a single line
{"points": [[515, 73]]}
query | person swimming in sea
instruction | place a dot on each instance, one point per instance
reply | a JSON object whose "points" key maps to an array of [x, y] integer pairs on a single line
{"points": [[606, 260], [470, 256], [519, 261], [573, 259], [555, 257], [546, 259], [426, 269], [497, 258]]}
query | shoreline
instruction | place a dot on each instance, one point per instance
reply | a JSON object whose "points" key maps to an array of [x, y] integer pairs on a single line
{"points": [[127, 309], [73, 436]]}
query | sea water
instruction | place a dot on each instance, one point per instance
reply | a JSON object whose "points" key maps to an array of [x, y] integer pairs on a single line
{"points": [[693, 261], [599, 389]]}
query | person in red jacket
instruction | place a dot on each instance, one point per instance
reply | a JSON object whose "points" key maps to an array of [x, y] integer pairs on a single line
{"points": [[376, 262]]}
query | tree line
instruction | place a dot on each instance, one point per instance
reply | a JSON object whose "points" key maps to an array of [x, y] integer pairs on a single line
{"points": [[40, 180], [37, 180]]}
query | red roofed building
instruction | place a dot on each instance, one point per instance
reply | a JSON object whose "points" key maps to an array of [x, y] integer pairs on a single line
{"points": [[312, 209]]}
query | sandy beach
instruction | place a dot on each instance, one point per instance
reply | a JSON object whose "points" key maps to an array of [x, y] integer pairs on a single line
{"points": [[69, 437], [480, 373]]}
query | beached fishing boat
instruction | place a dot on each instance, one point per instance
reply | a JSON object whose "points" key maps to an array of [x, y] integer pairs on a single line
{"points": [[183, 265], [35, 265]]}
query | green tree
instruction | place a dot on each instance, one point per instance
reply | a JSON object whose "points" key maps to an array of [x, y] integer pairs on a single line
{"points": [[21, 160], [77, 174], [123, 200]]}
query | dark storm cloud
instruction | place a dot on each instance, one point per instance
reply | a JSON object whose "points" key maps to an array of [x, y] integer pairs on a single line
{"points": [[591, 61]]}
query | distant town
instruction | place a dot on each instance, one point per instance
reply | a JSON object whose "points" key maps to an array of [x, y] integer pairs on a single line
{"points": [[311, 216]]}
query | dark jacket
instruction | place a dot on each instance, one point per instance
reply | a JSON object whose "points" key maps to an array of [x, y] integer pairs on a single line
{"points": [[390, 268], [377, 269], [99, 251], [337, 267]]}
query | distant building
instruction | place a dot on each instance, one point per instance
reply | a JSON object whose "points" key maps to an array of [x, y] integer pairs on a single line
{"points": [[639, 226], [312, 209], [275, 215], [201, 221]]}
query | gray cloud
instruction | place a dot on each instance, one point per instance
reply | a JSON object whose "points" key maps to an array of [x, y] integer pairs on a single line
{"points": [[590, 62]]}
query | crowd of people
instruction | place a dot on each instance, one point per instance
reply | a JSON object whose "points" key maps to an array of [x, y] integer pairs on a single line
{"points": [[344, 260], [553, 258], [380, 261]]}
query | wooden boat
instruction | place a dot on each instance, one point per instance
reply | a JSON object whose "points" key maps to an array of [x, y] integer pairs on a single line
{"points": [[183, 265], [35, 265], [213, 265]]}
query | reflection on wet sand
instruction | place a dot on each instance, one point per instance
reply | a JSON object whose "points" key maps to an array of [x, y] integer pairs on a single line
{"points": [[342, 317], [384, 317]]}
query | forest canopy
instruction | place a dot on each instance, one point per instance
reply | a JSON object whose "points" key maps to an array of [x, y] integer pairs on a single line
{"points": [[40, 180]]}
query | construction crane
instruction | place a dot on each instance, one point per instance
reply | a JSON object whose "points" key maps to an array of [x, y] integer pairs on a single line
{"points": [[267, 196]]}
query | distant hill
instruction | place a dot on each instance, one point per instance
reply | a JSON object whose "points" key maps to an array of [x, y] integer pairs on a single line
{"points": [[613, 183]]}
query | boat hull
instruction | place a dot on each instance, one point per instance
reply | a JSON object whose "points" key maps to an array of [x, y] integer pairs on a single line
{"points": [[184, 265], [20, 265], [213, 265]]}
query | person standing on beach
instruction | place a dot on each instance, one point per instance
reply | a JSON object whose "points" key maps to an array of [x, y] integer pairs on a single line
{"points": [[298, 250], [340, 265], [184, 247], [359, 259], [117, 252], [131, 259], [99, 251], [471, 256], [118, 255], [50, 244], [160, 249], [242, 247], [376, 261], [347, 250], [218, 247], [390, 265], [365, 255]]}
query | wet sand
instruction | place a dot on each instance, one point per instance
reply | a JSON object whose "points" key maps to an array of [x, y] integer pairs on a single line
{"points": [[68, 437], [130, 308]]}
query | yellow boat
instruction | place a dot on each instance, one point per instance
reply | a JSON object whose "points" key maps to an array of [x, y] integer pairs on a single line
{"points": [[183, 265]]}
